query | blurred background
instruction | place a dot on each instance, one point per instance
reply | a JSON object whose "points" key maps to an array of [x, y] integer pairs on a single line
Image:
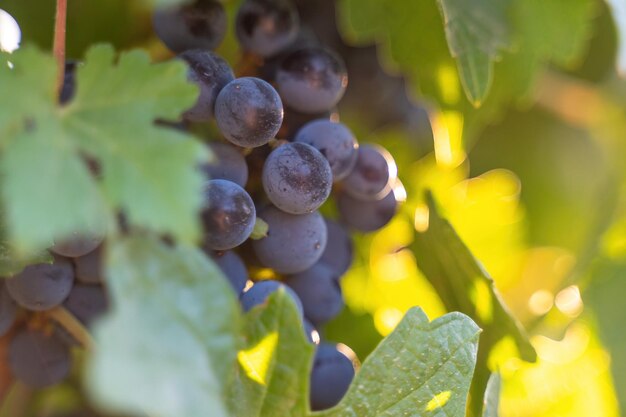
{"points": [[534, 181]]}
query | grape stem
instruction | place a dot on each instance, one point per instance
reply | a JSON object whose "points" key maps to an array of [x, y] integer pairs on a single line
{"points": [[60, 25], [70, 323]]}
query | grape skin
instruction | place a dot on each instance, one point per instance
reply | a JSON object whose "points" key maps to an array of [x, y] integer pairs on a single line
{"points": [[8, 310], [200, 25], [211, 73], [339, 251], [335, 141], [227, 164], [331, 376], [228, 215], [249, 112], [88, 268], [297, 178], [87, 303], [78, 244], [367, 216], [266, 27], [233, 268], [312, 80], [373, 174], [318, 289], [38, 360], [294, 242], [260, 291], [42, 286]]}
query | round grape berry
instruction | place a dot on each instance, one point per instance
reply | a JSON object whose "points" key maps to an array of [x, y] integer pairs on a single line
{"points": [[339, 250], [318, 289], [266, 27], [367, 216], [297, 178], [42, 286], [260, 291], [227, 163], [331, 376], [373, 175], [233, 268]]}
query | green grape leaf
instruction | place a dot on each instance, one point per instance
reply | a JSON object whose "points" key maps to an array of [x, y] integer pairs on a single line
{"points": [[13, 262], [492, 396], [421, 369], [476, 33], [168, 347], [274, 365], [465, 286], [147, 171]]}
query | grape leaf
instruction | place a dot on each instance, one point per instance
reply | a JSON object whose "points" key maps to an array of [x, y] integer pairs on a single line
{"points": [[168, 347], [421, 369], [147, 171], [476, 34], [492, 396], [465, 286], [274, 366]]}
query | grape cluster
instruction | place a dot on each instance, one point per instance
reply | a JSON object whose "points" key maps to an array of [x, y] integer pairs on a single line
{"points": [[39, 352], [280, 155]]}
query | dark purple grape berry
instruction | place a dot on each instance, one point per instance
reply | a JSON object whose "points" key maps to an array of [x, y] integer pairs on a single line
{"points": [[331, 376], [339, 250], [335, 141], [249, 112], [318, 289], [87, 303], [228, 215], [260, 291], [211, 73], [77, 244], [266, 27], [367, 216], [312, 80], [297, 178], [233, 268], [42, 286], [227, 163], [199, 25], [373, 175]]}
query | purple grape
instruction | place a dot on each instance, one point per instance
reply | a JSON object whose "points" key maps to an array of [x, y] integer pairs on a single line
{"points": [[297, 178], [339, 250], [233, 268], [260, 291], [331, 376], [249, 112], [367, 216], [88, 268], [77, 244], [211, 73], [42, 286], [87, 303], [199, 25], [228, 215], [318, 289], [38, 360], [8, 310], [228, 163], [266, 27], [335, 141], [312, 80], [294, 242], [311, 332], [373, 174]]}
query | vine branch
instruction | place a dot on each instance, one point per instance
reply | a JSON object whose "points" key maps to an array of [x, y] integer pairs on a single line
{"points": [[60, 25], [72, 325]]}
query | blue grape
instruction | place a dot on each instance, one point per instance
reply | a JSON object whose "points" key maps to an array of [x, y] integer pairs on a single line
{"points": [[88, 268], [227, 163], [199, 25], [312, 80], [339, 250], [77, 244], [367, 216], [38, 360], [211, 73], [233, 268], [249, 112], [228, 215], [294, 242], [266, 27], [42, 286], [8, 310], [318, 289], [260, 291], [296, 178], [331, 376], [373, 174], [87, 303], [311, 332], [335, 141]]}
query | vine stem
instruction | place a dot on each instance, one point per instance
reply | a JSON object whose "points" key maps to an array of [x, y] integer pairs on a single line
{"points": [[60, 25], [66, 319]]}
